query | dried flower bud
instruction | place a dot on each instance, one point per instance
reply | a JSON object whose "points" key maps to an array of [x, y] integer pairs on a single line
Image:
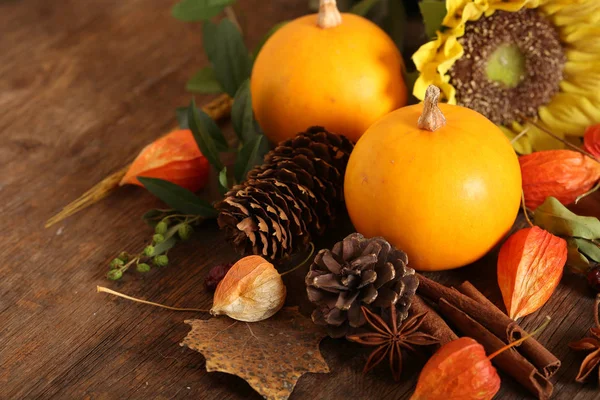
{"points": [[530, 265], [143, 267], [161, 227], [149, 251], [251, 291], [216, 275], [114, 274], [563, 174], [157, 238], [185, 231], [161, 261], [116, 262], [591, 140]]}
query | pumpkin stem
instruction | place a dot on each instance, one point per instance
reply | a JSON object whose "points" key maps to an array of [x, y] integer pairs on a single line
{"points": [[329, 15], [432, 118]]}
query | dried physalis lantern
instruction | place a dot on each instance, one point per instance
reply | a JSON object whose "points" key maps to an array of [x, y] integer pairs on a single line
{"points": [[564, 174], [591, 140], [174, 158], [530, 266], [458, 370], [251, 291]]}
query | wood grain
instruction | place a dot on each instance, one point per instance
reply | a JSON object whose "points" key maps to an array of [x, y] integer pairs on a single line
{"points": [[83, 86]]}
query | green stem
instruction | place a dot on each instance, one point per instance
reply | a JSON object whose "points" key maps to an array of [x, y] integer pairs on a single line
{"points": [[312, 251]]}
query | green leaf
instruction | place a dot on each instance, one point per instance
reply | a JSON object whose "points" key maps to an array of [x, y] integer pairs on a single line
{"points": [[362, 7], [242, 116], [223, 181], [227, 53], [557, 219], [250, 155], [576, 261], [205, 142], [199, 10], [211, 126], [264, 39], [433, 12], [165, 245], [204, 81], [178, 198], [591, 250]]}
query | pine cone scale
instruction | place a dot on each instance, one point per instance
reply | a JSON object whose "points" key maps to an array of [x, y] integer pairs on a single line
{"points": [[289, 199], [362, 272]]}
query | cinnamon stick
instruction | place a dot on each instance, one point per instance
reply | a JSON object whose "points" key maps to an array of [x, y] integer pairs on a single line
{"points": [[497, 322], [433, 324], [509, 361], [535, 352]]}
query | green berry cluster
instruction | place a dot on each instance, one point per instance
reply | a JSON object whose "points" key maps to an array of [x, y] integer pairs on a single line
{"points": [[169, 228]]}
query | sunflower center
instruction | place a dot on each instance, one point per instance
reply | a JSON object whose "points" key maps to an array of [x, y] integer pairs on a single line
{"points": [[512, 65], [506, 65]]}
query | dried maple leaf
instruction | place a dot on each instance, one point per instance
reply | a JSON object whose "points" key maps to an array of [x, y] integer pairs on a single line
{"points": [[271, 355]]}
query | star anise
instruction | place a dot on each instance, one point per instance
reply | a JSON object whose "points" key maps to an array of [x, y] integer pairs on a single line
{"points": [[391, 338], [590, 344]]}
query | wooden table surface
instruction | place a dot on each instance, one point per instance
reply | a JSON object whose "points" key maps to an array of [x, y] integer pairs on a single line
{"points": [[83, 86]]}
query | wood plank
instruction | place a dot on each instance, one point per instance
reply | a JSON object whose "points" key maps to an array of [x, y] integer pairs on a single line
{"points": [[84, 86]]}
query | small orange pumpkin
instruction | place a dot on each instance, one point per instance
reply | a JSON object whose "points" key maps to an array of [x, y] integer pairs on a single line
{"points": [[340, 71], [440, 182]]}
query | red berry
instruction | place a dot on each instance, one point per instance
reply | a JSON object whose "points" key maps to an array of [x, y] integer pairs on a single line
{"points": [[215, 275], [593, 278]]}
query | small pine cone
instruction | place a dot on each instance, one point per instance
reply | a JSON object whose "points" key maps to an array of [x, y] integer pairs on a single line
{"points": [[290, 198], [358, 272]]}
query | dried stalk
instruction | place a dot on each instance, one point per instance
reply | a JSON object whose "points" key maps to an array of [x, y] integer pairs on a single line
{"points": [[217, 109], [563, 141]]}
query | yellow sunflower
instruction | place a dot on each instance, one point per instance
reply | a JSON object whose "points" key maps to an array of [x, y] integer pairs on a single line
{"points": [[516, 61]]}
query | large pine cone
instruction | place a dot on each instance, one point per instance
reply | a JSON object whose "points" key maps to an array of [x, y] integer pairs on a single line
{"points": [[290, 198], [358, 272]]}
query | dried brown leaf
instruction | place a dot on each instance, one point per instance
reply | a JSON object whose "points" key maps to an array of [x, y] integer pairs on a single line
{"points": [[271, 355]]}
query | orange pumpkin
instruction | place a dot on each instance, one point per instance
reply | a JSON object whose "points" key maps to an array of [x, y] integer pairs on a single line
{"points": [[444, 189], [339, 71]]}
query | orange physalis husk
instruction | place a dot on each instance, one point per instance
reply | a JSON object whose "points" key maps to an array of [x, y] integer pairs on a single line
{"points": [[530, 266], [460, 369], [174, 158], [591, 140], [563, 174]]}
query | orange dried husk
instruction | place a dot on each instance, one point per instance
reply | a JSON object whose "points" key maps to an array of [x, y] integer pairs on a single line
{"points": [[530, 266], [252, 290], [563, 174], [591, 140], [174, 158], [460, 369]]}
